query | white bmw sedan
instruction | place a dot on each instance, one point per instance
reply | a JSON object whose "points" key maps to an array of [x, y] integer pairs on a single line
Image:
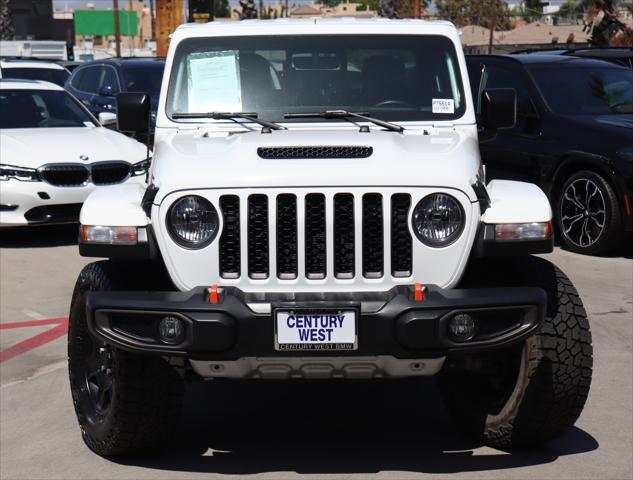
{"points": [[53, 153]]}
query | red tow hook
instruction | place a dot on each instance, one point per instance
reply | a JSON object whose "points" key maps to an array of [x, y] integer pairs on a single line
{"points": [[418, 293], [214, 295]]}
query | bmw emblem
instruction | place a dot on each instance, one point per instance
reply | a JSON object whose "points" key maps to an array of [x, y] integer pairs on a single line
{"points": [[85, 158]]}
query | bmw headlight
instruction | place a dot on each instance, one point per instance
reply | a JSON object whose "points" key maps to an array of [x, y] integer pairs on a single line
{"points": [[193, 221], [438, 220], [19, 173]]}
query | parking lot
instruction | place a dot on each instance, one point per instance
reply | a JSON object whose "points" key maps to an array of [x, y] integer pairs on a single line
{"points": [[390, 429]]}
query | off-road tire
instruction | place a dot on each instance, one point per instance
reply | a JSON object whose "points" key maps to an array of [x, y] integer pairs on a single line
{"points": [[612, 234], [146, 398], [553, 375]]}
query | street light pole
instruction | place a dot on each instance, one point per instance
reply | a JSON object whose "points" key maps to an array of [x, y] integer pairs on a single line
{"points": [[117, 28], [130, 36]]}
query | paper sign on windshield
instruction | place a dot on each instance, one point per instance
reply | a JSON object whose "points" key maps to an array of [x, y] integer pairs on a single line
{"points": [[443, 105], [214, 82]]}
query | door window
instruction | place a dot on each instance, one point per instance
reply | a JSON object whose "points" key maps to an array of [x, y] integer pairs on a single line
{"points": [[496, 76], [109, 79], [89, 81]]}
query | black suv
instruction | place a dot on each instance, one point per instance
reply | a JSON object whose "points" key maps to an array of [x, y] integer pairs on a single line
{"points": [[573, 137], [618, 55], [96, 84]]}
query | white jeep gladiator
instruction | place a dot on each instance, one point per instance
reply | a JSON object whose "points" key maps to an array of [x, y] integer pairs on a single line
{"points": [[316, 208]]}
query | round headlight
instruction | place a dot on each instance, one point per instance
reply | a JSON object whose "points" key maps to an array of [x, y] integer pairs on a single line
{"points": [[193, 222], [438, 220]]}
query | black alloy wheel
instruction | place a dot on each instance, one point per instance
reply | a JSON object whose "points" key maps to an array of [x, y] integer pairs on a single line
{"points": [[588, 214]]}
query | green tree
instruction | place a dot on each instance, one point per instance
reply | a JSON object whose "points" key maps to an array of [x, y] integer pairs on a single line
{"points": [[372, 4], [221, 8], [6, 25], [569, 10]]}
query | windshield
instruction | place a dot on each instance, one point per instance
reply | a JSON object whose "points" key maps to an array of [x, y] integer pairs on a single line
{"points": [[586, 90], [41, 108], [144, 79], [392, 77], [52, 75]]}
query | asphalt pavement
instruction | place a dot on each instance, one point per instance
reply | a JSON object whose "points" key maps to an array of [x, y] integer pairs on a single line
{"points": [[277, 430]]}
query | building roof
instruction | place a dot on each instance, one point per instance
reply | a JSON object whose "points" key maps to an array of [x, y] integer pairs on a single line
{"points": [[305, 10]]}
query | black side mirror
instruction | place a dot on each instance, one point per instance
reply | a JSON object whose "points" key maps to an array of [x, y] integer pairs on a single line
{"points": [[133, 113], [106, 91], [498, 108]]}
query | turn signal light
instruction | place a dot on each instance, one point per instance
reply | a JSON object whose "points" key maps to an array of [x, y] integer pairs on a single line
{"points": [[509, 232], [112, 235]]}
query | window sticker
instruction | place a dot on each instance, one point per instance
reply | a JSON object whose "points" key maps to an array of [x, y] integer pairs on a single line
{"points": [[214, 82], [443, 105]]}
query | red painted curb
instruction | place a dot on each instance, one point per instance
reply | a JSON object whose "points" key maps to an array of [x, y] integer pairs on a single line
{"points": [[36, 341]]}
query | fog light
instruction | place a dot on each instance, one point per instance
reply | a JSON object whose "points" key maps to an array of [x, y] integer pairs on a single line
{"points": [[462, 327], [171, 330]]}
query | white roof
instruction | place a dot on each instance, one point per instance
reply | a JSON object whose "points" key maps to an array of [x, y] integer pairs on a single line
{"points": [[316, 25], [6, 64], [19, 84]]}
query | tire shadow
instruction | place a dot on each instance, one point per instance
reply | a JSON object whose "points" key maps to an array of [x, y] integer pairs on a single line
{"points": [[332, 427], [39, 236]]}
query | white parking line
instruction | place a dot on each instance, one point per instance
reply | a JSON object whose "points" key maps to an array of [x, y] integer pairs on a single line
{"points": [[33, 314]]}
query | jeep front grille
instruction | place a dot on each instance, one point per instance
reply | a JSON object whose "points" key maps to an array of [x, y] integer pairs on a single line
{"points": [[298, 227]]}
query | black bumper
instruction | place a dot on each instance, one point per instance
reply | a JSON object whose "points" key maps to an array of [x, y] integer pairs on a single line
{"points": [[389, 323]]}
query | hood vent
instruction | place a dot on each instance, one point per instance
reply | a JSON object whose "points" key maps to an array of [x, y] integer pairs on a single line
{"points": [[322, 151]]}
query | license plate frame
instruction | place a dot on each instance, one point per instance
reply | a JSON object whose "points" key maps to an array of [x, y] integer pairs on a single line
{"points": [[312, 346]]}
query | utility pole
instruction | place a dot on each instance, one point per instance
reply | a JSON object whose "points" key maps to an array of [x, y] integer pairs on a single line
{"points": [[117, 28], [287, 14], [130, 35], [493, 24], [152, 19], [417, 9]]}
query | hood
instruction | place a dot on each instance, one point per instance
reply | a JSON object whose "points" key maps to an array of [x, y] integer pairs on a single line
{"points": [[445, 157], [34, 147]]}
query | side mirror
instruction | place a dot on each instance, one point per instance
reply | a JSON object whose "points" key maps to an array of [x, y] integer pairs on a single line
{"points": [[133, 113], [107, 119], [106, 91], [498, 108]]}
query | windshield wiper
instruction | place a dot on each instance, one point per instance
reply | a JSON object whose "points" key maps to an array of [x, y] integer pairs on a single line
{"points": [[346, 115], [250, 116]]}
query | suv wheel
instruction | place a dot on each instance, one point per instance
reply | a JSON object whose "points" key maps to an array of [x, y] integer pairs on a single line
{"points": [[529, 394], [125, 403], [588, 214]]}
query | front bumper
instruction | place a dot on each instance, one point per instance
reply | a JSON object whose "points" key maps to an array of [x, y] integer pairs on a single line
{"points": [[34, 203], [391, 324]]}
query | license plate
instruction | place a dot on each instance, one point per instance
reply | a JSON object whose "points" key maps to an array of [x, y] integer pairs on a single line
{"points": [[322, 329]]}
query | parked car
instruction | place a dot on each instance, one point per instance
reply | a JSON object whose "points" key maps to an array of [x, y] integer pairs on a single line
{"points": [[618, 55], [53, 153], [573, 137], [96, 84], [286, 235], [33, 69]]}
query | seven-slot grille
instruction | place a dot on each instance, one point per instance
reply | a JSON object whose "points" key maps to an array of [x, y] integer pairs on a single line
{"points": [[75, 175], [300, 232]]}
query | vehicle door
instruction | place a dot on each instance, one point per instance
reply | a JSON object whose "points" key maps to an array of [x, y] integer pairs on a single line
{"points": [[107, 90], [84, 85], [512, 153]]}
